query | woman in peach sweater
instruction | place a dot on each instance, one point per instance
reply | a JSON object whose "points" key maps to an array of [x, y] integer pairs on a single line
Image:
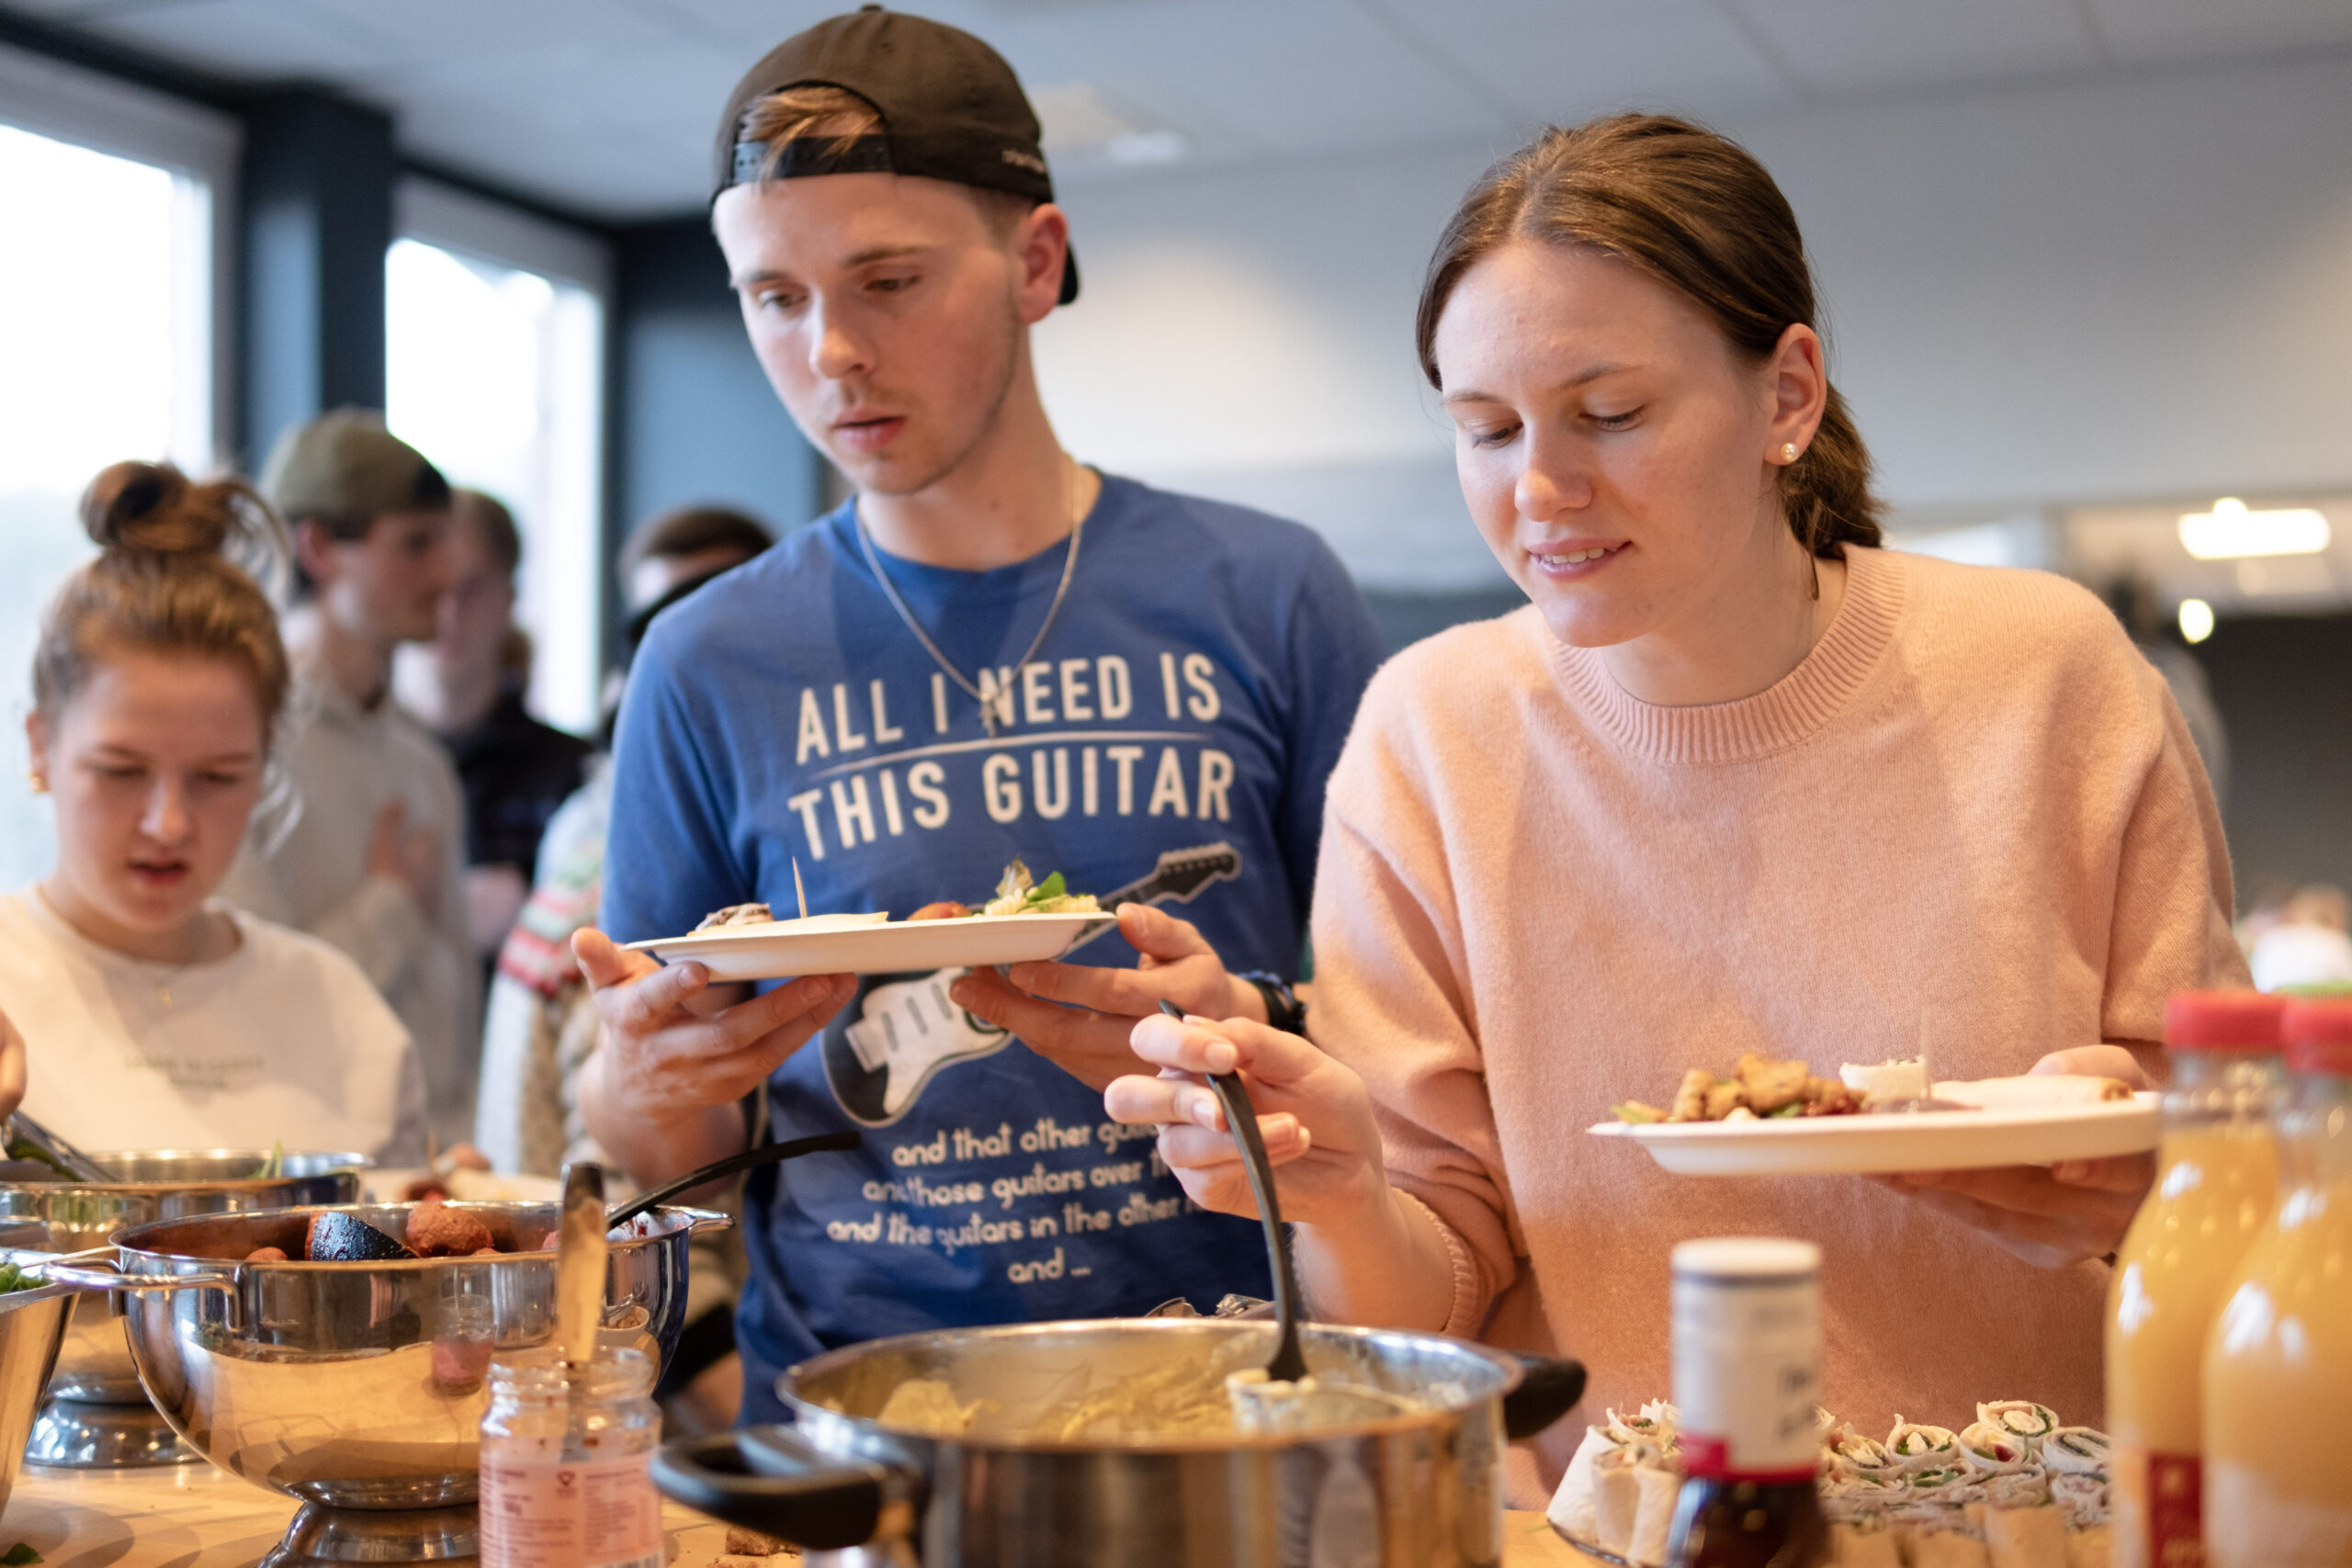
{"points": [[1737, 779]]}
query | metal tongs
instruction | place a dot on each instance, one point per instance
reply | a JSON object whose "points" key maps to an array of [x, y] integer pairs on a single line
{"points": [[57, 1151]]}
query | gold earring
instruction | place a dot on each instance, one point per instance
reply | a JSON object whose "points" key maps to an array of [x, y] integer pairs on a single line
{"points": [[40, 782], [1788, 451]]}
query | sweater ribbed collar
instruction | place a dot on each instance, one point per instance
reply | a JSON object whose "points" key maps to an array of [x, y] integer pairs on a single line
{"points": [[1786, 714]]}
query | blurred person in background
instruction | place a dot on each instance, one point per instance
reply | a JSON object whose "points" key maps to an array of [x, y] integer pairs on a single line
{"points": [[2307, 944], [136, 1010], [542, 1022], [372, 860], [466, 686]]}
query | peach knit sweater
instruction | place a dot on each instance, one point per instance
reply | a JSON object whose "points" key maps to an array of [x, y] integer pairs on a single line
{"points": [[1539, 895]]}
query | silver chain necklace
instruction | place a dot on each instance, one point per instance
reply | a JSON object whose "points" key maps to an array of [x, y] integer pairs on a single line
{"points": [[969, 686]]}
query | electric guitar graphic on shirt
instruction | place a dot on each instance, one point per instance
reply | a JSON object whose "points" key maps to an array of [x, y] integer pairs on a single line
{"points": [[902, 1030]]}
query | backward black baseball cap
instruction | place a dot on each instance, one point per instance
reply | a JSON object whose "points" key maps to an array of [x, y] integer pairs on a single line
{"points": [[951, 109]]}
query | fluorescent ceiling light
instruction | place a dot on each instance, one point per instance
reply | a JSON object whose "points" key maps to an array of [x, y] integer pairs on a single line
{"points": [[2196, 620], [2231, 531]]}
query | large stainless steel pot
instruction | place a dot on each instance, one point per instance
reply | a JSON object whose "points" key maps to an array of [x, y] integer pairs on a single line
{"points": [[1418, 1490], [362, 1386], [105, 1420]]}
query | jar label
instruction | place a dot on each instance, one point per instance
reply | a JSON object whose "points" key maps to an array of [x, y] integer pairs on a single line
{"points": [[539, 1513], [1747, 1374]]}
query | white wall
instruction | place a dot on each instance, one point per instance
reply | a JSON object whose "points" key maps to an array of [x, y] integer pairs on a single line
{"points": [[2109, 290]]}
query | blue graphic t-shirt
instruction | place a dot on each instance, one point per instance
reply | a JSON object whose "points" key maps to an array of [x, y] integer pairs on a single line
{"points": [[1170, 740]]}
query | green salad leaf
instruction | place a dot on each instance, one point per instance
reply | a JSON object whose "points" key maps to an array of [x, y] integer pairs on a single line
{"points": [[20, 1554]]}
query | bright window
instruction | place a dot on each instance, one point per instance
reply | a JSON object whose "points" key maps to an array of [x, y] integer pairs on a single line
{"points": [[495, 371], [106, 311]]}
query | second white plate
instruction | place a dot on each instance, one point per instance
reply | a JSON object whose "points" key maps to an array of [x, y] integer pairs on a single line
{"points": [[783, 951], [1928, 1140]]}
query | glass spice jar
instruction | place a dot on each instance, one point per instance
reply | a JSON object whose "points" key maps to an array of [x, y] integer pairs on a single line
{"points": [[567, 1454]]}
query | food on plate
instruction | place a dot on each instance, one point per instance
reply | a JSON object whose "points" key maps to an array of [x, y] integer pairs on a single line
{"points": [[944, 909], [1017, 895], [2013, 1489], [15, 1278], [1757, 1087], [347, 1238], [436, 1230], [1889, 1083], [266, 1255], [737, 915]]}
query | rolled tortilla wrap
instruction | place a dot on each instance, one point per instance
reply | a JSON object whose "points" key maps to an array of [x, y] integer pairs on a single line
{"points": [[1571, 1508], [1923, 1447], [2089, 1547], [2023, 1416], [1948, 1548], [2026, 1538], [2032, 1091], [1852, 1548], [2074, 1450], [1989, 1449], [1616, 1500], [1654, 1519]]}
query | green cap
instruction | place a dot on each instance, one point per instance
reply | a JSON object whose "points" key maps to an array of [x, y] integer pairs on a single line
{"points": [[345, 465]]}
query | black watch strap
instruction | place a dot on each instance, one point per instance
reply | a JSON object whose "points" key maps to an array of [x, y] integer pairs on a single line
{"points": [[1284, 1009]]}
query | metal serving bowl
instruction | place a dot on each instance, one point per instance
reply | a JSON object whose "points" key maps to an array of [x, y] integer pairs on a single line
{"points": [[362, 1386], [32, 1325], [157, 1184]]}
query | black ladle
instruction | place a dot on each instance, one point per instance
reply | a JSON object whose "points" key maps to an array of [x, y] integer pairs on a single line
{"points": [[767, 1153], [1289, 1364]]}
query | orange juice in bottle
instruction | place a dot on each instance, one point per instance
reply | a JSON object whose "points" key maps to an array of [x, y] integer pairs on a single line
{"points": [[2279, 1363], [2217, 1175]]}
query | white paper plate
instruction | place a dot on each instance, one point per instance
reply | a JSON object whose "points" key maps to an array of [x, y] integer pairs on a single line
{"points": [[787, 947], [1928, 1140]]}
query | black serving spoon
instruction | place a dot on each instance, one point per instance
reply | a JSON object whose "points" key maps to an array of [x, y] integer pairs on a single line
{"points": [[767, 1153], [1289, 1364]]}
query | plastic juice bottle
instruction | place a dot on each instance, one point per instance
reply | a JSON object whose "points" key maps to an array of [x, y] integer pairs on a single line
{"points": [[2278, 1364], [2217, 1178]]}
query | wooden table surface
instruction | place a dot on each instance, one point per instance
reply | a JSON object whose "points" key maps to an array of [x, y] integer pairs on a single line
{"points": [[195, 1517]]}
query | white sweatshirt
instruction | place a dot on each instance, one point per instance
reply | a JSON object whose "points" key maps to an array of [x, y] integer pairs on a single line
{"points": [[282, 1041], [345, 763]]}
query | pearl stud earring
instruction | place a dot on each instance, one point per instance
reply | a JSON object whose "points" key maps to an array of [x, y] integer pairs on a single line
{"points": [[1788, 451]]}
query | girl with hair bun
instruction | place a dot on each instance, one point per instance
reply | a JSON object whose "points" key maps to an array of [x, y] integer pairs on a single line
{"points": [[137, 1011], [1737, 779]]}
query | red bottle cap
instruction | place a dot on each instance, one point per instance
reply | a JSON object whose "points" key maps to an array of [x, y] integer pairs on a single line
{"points": [[2318, 1032], [2223, 1021]]}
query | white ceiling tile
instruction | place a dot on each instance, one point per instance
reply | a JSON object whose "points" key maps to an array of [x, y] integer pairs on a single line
{"points": [[1561, 60], [262, 39], [1839, 47], [2171, 30], [1305, 76]]}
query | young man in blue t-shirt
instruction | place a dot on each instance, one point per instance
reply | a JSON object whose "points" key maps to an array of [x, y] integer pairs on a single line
{"points": [[990, 653]]}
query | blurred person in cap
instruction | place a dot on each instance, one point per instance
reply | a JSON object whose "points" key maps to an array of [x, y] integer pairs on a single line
{"points": [[466, 686], [990, 653], [372, 858], [541, 1023]]}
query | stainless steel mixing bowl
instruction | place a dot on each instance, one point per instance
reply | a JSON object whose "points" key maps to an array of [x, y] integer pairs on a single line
{"points": [[157, 1184], [32, 1325], [362, 1386]]}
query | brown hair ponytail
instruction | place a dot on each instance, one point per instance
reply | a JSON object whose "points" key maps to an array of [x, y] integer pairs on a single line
{"points": [[1696, 212], [168, 580]]}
